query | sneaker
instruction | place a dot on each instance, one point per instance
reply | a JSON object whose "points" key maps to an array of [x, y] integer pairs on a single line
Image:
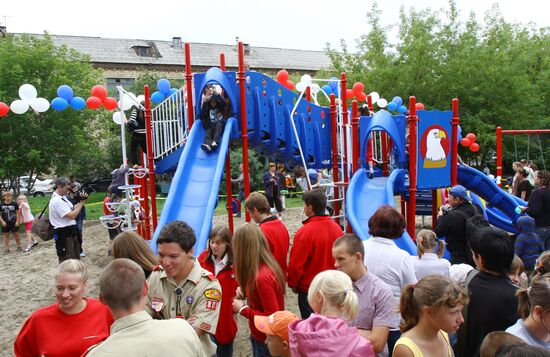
{"points": [[19, 249], [6, 251], [34, 243], [206, 148], [29, 247], [371, 175], [214, 145], [82, 254]]}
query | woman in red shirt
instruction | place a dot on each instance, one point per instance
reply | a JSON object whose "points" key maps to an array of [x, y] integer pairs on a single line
{"points": [[218, 259], [261, 282], [70, 326]]}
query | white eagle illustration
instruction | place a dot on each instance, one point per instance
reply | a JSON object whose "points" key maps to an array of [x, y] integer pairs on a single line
{"points": [[435, 154]]}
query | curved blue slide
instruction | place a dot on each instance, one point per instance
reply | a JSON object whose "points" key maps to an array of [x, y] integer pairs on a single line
{"points": [[500, 204], [194, 191], [365, 196]]}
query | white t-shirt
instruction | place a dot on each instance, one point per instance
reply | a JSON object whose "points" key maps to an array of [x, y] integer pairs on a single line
{"points": [[521, 331], [59, 206], [429, 264]]}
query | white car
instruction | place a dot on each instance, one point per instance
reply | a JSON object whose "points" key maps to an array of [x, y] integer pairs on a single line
{"points": [[39, 189]]}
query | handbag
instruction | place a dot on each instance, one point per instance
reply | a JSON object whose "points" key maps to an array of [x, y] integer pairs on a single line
{"points": [[42, 226]]}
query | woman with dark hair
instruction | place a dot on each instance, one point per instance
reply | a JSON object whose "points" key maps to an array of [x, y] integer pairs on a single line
{"points": [[539, 207], [130, 245], [387, 261], [524, 186]]}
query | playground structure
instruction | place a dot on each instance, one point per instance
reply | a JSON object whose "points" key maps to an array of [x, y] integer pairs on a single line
{"points": [[288, 127], [499, 137]]}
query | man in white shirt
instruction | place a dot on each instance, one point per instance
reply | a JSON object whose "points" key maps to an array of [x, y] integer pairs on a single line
{"points": [[62, 214]]}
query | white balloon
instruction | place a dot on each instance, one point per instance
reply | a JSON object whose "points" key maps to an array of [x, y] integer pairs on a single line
{"points": [[125, 104], [300, 86], [117, 117], [28, 93], [19, 106], [374, 96], [140, 98], [315, 88], [40, 105], [382, 102], [306, 78]]}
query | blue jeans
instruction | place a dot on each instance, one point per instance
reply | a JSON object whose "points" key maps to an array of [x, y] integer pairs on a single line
{"points": [[544, 235], [393, 336], [223, 350], [259, 349], [303, 305], [240, 197]]}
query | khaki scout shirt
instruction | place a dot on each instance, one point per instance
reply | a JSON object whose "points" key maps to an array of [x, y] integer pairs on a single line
{"points": [[199, 304], [138, 335]]}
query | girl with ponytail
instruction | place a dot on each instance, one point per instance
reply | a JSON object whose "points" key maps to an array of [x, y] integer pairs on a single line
{"points": [[534, 309], [430, 310], [429, 261], [326, 332]]}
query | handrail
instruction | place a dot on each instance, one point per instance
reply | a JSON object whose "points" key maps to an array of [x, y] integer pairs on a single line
{"points": [[169, 120]]}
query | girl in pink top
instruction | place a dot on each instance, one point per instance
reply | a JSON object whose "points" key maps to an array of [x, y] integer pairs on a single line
{"points": [[25, 216]]}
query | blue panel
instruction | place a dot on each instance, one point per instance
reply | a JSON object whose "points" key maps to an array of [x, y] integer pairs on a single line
{"points": [[394, 125], [227, 80], [169, 163], [434, 149]]}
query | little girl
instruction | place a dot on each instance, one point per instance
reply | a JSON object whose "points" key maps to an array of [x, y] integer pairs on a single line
{"points": [[27, 218], [430, 310], [427, 261], [326, 332]]}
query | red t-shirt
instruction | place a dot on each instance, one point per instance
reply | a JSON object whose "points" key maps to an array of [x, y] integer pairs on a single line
{"points": [[312, 251], [50, 332], [278, 238]]}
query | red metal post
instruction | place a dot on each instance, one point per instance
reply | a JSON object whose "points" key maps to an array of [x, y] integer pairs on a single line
{"points": [[228, 186], [355, 136], [499, 151], [334, 144], [455, 121], [222, 61], [244, 128], [150, 159], [434, 208], [189, 87], [385, 170], [344, 103], [411, 207], [308, 93], [369, 102], [145, 203]]}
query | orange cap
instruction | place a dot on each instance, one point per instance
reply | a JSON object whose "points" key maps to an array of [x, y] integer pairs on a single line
{"points": [[275, 324]]}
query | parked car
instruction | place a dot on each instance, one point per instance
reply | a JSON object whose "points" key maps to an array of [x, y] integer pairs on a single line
{"points": [[40, 188], [98, 184]]}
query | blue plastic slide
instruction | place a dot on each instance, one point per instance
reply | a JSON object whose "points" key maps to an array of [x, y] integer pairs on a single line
{"points": [[500, 204], [194, 191], [365, 196]]}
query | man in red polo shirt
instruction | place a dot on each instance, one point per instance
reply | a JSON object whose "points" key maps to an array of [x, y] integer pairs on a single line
{"points": [[312, 248], [272, 227]]}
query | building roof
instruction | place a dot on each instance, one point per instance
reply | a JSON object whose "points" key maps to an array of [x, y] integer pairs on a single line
{"points": [[122, 51]]}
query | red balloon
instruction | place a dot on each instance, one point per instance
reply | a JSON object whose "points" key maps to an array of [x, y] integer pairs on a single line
{"points": [[282, 76], [419, 106], [349, 93], [472, 137], [358, 88], [361, 97], [474, 147], [289, 84], [110, 103], [99, 91], [4, 109], [465, 142], [93, 103]]}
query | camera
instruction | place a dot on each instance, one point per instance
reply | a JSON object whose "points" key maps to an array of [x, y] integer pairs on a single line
{"points": [[84, 189]]}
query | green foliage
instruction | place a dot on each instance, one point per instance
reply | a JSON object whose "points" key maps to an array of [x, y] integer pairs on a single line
{"points": [[500, 72]]}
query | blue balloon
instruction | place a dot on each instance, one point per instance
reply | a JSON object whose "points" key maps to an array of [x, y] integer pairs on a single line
{"points": [[158, 97], [326, 88], [392, 106], [78, 103], [172, 91], [65, 92], [163, 86], [333, 83], [398, 100], [59, 104], [402, 109]]}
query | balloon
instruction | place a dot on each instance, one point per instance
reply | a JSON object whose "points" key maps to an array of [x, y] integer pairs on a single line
{"points": [[349, 93], [382, 102], [474, 147], [78, 103], [28, 93], [333, 83], [289, 84], [465, 142], [300, 86], [306, 78], [163, 86], [358, 87], [282, 76], [65, 92], [392, 105], [40, 105], [59, 104], [398, 100], [171, 92], [110, 103], [99, 91], [419, 106], [19, 106], [327, 89], [93, 102], [374, 96], [127, 102], [472, 137], [157, 97], [117, 117], [315, 88], [4, 109], [402, 109], [141, 98], [361, 97]]}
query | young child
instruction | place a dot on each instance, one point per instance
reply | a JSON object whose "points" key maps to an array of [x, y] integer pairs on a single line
{"points": [[326, 332], [427, 261], [9, 220], [542, 265], [528, 245], [517, 273], [25, 216], [275, 326], [214, 117], [431, 309]]}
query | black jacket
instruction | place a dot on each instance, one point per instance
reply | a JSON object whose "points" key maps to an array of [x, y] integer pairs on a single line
{"points": [[453, 227], [539, 207]]}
